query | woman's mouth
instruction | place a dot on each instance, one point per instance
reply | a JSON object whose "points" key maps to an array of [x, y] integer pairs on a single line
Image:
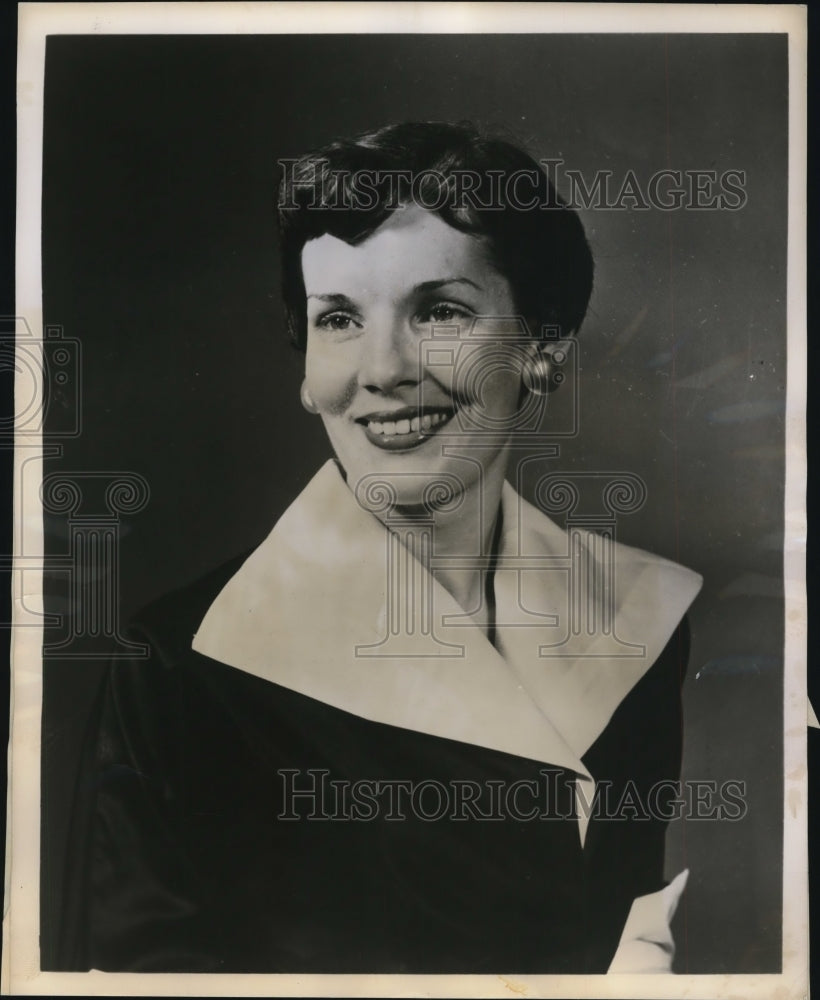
{"points": [[404, 429]]}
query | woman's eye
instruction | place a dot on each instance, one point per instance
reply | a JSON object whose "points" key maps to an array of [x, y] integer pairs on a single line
{"points": [[335, 321], [446, 312]]}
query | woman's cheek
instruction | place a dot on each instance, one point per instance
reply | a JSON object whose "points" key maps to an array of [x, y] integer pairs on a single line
{"points": [[489, 388], [331, 379], [508, 393]]}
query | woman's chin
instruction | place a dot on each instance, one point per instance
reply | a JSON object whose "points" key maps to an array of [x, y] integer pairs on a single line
{"points": [[431, 477], [368, 461], [410, 488]]}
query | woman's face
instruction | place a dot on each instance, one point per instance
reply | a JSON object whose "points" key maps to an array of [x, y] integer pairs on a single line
{"points": [[398, 400]]}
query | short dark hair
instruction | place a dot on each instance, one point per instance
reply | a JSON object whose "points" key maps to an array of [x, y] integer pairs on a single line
{"points": [[349, 187]]}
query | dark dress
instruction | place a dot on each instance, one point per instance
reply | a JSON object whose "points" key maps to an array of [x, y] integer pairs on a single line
{"points": [[182, 859]]}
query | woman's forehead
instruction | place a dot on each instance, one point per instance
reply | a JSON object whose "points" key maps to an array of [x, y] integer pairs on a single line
{"points": [[412, 246]]}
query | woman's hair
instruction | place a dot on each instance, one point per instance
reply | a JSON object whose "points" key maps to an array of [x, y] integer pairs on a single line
{"points": [[484, 186]]}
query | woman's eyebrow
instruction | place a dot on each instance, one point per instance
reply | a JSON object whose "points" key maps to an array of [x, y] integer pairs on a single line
{"points": [[335, 297], [427, 286]]}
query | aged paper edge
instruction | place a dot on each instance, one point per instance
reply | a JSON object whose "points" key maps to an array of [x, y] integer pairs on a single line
{"points": [[20, 969]]}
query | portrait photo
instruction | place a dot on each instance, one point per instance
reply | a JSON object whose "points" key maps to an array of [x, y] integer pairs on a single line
{"points": [[409, 455]]}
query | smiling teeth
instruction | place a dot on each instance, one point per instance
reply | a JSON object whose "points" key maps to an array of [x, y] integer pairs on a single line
{"points": [[389, 428]]}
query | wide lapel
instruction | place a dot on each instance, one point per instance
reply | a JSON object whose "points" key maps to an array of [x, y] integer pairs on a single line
{"points": [[578, 668], [311, 610]]}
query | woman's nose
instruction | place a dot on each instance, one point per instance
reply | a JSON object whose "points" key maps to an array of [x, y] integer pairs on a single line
{"points": [[390, 358]]}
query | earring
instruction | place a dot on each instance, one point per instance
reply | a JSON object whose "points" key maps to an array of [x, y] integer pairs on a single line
{"points": [[307, 399], [537, 375]]}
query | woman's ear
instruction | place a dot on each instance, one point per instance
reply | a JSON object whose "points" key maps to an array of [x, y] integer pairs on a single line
{"points": [[307, 399], [541, 373], [552, 346], [537, 373]]}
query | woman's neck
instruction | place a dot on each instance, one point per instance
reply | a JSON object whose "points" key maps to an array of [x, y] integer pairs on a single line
{"points": [[468, 530]]}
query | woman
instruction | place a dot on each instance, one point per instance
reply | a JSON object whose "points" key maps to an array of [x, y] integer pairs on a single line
{"points": [[386, 746]]}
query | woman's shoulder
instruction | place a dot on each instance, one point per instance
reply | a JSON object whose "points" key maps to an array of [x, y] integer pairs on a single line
{"points": [[153, 699], [169, 622]]}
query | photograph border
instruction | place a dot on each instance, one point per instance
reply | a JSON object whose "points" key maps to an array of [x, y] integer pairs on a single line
{"points": [[20, 967]]}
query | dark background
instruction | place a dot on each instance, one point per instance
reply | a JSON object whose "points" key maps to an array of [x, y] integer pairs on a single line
{"points": [[159, 256]]}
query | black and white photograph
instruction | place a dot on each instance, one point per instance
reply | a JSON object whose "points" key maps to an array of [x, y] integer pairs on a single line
{"points": [[409, 501]]}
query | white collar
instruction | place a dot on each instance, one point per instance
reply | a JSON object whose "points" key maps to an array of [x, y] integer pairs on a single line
{"points": [[315, 591]]}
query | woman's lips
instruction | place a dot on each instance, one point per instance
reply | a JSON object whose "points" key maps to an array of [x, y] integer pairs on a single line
{"points": [[404, 429]]}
